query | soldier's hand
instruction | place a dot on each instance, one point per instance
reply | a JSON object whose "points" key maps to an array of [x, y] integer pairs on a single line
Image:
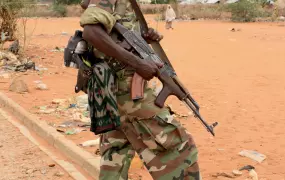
{"points": [[148, 70], [152, 35]]}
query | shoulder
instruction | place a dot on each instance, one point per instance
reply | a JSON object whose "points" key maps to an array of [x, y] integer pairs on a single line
{"points": [[95, 15], [107, 5]]}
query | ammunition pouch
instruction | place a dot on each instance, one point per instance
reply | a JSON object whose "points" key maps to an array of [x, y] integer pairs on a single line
{"points": [[75, 53], [83, 75], [70, 49]]}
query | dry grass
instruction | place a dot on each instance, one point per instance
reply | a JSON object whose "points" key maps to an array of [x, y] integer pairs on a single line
{"points": [[281, 7], [153, 8], [201, 12], [43, 11], [74, 11], [216, 11], [48, 11], [280, 4], [185, 12]]}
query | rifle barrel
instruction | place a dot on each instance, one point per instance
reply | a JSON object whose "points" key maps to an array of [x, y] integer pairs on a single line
{"points": [[197, 115]]}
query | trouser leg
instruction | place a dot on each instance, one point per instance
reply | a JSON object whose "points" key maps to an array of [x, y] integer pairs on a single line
{"points": [[117, 154], [166, 148]]}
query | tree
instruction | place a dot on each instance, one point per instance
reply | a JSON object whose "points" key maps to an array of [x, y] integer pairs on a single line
{"points": [[9, 13], [8, 17]]}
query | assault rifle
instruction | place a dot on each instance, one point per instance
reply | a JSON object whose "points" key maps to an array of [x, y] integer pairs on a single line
{"points": [[133, 41]]}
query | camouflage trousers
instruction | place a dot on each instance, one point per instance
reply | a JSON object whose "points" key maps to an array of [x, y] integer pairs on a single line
{"points": [[166, 148]]}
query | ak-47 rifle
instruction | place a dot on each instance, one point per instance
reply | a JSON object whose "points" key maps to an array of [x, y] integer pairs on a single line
{"points": [[166, 74]]}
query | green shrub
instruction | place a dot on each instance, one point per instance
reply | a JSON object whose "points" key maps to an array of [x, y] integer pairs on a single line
{"points": [[244, 10], [60, 9]]}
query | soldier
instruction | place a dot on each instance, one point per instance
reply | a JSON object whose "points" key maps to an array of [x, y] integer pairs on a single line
{"points": [[166, 148]]}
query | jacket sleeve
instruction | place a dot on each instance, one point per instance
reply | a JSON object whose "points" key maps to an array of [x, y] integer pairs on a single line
{"points": [[97, 15]]}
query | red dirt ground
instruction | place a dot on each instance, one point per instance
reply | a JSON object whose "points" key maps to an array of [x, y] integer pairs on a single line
{"points": [[238, 79]]}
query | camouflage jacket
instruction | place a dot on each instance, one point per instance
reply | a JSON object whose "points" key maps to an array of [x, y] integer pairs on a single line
{"points": [[107, 13], [102, 97]]}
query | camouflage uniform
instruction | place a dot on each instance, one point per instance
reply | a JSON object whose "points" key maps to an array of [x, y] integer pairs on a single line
{"points": [[166, 148]]}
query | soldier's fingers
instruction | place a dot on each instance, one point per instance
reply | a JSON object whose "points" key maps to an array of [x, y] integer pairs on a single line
{"points": [[159, 65], [146, 34], [150, 32], [154, 36], [157, 36], [160, 38]]}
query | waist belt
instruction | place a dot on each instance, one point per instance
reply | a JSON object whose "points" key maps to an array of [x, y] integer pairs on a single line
{"points": [[114, 64], [125, 20]]}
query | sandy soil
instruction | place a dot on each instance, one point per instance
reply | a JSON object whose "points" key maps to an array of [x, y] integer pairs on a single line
{"points": [[236, 77], [21, 159]]}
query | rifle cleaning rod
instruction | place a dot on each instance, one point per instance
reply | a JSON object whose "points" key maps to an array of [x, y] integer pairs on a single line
{"points": [[197, 115]]}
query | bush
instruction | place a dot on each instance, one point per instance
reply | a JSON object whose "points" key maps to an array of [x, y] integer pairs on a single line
{"points": [[187, 12], [244, 10], [152, 8], [9, 12], [67, 2], [60, 9], [159, 1], [199, 11]]}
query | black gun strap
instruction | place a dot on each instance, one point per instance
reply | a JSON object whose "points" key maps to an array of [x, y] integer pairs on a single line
{"points": [[155, 45]]}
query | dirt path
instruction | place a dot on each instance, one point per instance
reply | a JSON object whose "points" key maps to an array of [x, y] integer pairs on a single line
{"points": [[21, 159]]}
